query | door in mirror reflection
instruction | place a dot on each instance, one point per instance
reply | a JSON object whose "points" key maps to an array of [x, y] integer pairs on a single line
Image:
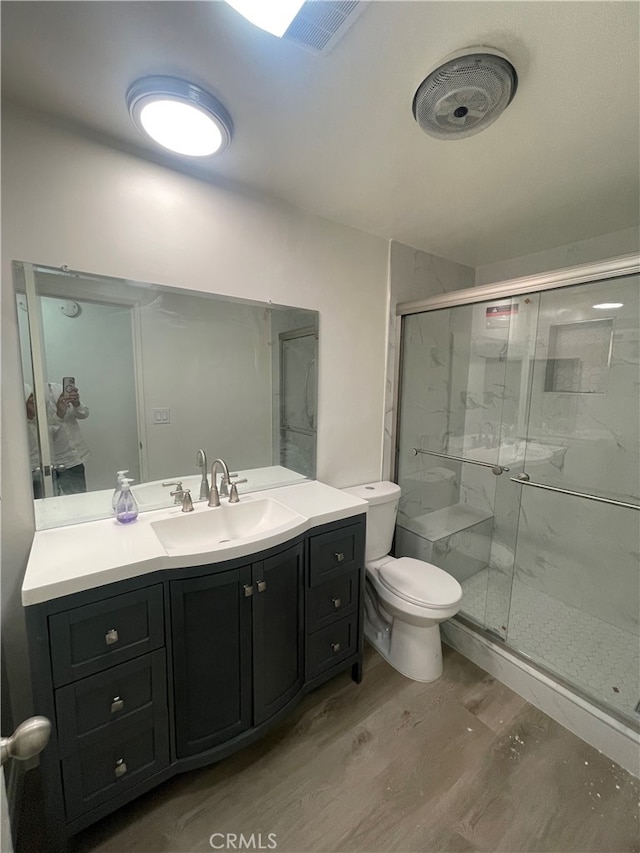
{"points": [[298, 395], [92, 342]]}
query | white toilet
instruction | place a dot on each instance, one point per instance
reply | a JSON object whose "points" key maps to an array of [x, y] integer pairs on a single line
{"points": [[405, 599]]}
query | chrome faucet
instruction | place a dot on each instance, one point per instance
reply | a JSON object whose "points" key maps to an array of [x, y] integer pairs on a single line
{"points": [[225, 483], [214, 495], [201, 462]]}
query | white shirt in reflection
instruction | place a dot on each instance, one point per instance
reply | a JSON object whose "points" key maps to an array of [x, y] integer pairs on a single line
{"points": [[68, 447]]}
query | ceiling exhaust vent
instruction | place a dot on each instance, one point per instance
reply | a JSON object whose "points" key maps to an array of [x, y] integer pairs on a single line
{"points": [[320, 24], [465, 94]]}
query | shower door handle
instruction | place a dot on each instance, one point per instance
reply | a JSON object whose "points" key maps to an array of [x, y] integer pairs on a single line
{"points": [[495, 468], [523, 480]]}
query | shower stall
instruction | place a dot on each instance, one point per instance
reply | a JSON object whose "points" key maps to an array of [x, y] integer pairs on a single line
{"points": [[518, 453]]}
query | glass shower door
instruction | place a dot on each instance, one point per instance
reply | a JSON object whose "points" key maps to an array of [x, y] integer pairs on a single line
{"points": [[518, 456], [575, 593], [462, 403]]}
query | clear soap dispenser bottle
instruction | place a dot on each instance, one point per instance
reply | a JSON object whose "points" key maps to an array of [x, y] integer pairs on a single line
{"points": [[116, 492], [127, 506]]}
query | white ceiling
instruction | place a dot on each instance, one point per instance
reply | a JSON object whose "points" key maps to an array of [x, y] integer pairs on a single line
{"points": [[334, 134]]}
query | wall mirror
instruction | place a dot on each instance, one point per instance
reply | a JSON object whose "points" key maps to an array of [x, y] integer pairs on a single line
{"points": [[153, 374]]}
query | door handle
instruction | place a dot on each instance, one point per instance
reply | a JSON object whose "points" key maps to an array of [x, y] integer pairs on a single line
{"points": [[262, 585], [28, 740]]}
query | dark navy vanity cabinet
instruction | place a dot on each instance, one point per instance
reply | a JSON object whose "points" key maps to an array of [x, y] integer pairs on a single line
{"points": [[172, 670]]}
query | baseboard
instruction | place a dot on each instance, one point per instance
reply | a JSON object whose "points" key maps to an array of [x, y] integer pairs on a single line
{"points": [[608, 735]]}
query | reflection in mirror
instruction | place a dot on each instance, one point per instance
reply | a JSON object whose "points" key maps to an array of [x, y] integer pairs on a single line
{"points": [[151, 375]]}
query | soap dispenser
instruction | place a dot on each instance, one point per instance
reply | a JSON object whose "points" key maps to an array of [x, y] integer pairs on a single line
{"points": [[116, 492], [127, 506]]}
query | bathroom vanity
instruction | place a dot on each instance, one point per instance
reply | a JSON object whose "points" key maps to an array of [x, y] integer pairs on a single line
{"points": [[151, 659]]}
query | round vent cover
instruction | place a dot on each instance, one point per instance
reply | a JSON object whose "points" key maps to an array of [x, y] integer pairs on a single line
{"points": [[465, 95]]}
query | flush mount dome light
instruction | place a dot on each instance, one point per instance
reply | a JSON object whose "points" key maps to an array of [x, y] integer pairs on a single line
{"points": [[608, 306], [179, 116]]}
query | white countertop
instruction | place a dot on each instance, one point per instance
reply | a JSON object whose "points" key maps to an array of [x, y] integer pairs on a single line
{"points": [[65, 560]]}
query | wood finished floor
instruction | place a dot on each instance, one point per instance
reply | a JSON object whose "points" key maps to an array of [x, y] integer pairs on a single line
{"points": [[462, 764]]}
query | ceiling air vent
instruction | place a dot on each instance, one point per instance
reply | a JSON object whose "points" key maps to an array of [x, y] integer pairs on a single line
{"points": [[320, 24]]}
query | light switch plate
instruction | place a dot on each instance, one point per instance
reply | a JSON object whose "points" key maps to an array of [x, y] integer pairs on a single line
{"points": [[162, 416]]}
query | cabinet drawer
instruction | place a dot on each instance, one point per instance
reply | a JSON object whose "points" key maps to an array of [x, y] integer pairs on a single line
{"points": [[91, 638], [332, 600], [93, 775], [90, 708], [331, 645], [335, 552]]}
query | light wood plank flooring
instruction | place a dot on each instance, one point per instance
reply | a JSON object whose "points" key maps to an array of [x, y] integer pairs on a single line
{"points": [[462, 764]]}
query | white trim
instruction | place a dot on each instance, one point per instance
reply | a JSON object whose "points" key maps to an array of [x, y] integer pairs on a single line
{"points": [[36, 335], [138, 379], [606, 734], [566, 277]]}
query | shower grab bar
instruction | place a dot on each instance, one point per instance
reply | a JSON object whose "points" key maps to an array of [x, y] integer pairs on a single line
{"points": [[523, 480], [496, 469]]}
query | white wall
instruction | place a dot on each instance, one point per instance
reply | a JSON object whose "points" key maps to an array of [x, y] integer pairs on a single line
{"points": [[583, 252], [215, 378], [69, 200]]}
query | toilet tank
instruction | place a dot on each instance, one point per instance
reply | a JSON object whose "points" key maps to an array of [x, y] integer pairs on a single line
{"points": [[383, 500]]}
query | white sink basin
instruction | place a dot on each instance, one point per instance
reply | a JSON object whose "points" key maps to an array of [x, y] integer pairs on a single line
{"points": [[211, 529]]}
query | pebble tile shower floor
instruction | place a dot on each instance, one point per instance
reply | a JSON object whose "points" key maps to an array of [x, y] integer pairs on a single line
{"points": [[598, 657]]}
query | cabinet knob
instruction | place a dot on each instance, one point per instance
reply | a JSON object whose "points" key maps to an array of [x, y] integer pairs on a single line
{"points": [[339, 555], [336, 602], [117, 705], [111, 637], [121, 768], [248, 590], [335, 647], [262, 585]]}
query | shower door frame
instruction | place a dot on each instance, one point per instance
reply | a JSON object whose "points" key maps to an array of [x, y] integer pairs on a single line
{"points": [[611, 268]]}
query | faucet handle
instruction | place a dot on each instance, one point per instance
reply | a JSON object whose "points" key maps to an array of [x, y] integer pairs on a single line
{"points": [[233, 494], [183, 496], [176, 495]]}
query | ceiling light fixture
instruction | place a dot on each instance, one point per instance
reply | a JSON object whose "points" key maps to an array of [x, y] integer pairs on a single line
{"points": [[179, 116], [274, 16], [607, 306]]}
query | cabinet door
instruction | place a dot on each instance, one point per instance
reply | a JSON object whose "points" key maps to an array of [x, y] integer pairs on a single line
{"points": [[278, 640], [211, 659]]}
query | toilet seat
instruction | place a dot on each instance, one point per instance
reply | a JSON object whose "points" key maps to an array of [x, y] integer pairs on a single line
{"points": [[420, 583]]}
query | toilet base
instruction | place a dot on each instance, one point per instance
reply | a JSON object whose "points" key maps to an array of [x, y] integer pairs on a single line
{"points": [[414, 651]]}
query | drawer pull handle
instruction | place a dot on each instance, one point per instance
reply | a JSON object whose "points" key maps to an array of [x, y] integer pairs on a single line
{"points": [[121, 768], [335, 647], [336, 602], [262, 585], [339, 555], [248, 590], [117, 705], [111, 637]]}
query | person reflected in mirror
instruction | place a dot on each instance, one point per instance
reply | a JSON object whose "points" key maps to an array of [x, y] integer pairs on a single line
{"points": [[68, 447]]}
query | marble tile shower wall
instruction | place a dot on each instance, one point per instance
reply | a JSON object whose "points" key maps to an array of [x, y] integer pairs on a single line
{"points": [[413, 275], [584, 553]]}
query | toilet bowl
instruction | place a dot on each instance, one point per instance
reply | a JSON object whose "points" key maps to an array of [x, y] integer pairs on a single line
{"points": [[405, 599]]}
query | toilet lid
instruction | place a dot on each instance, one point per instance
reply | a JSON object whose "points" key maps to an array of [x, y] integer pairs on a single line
{"points": [[420, 582]]}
